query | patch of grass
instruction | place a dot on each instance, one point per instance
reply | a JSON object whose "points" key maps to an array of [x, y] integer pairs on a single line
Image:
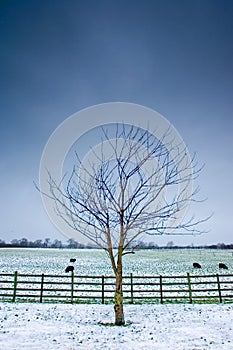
{"points": [[212, 300], [206, 301], [112, 324]]}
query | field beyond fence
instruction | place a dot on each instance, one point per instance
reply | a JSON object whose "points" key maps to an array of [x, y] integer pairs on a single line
{"points": [[214, 288]]}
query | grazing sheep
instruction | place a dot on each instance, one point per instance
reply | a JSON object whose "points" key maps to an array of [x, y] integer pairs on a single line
{"points": [[72, 260], [69, 269], [196, 265], [222, 266]]}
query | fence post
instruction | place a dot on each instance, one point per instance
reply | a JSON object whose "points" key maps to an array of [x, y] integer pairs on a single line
{"points": [[131, 287], [41, 287], [72, 286], [15, 286], [219, 288], [161, 289], [102, 289], [190, 290]]}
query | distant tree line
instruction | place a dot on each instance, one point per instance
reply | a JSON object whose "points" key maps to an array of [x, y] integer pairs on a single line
{"points": [[73, 244], [46, 243], [171, 245]]}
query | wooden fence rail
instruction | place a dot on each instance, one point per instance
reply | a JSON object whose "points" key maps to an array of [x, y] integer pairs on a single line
{"points": [[156, 289]]}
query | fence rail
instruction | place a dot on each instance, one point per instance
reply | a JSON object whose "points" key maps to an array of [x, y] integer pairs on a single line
{"points": [[157, 289]]}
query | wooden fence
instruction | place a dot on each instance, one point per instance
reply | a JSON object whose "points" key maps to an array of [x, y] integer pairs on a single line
{"points": [[100, 289]]}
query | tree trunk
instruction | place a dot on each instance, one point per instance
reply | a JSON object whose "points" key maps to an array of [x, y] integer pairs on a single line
{"points": [[118, 307]]}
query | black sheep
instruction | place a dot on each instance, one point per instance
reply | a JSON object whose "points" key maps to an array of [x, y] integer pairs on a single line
{"points": [[196, 265], [72, 260], [69, 269], [222, 266]]}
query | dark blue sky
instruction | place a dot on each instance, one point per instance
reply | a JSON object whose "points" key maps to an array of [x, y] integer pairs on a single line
{"points": [[57, 57]]}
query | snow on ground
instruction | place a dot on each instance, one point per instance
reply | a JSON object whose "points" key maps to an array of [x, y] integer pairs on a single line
{"points": [[70, 327]]}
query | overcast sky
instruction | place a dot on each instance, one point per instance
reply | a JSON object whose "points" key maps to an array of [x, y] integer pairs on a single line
{"points": [[57, 57]]}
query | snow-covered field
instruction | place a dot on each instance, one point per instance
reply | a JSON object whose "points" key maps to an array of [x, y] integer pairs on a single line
{"points": [[96, 262], [70, 327]]}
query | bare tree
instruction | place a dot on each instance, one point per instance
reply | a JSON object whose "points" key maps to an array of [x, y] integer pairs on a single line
{"points": [[131, 184]]}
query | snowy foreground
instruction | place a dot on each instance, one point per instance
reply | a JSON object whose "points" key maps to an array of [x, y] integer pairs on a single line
{"points": [[70, 327]]}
